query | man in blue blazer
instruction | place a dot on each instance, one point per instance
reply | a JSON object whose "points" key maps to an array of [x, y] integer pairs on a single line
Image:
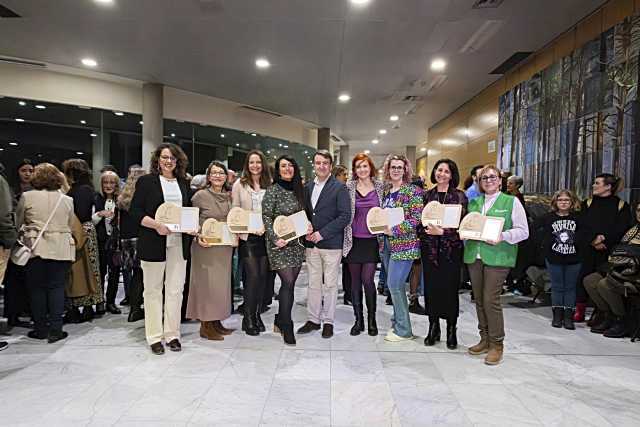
{"points": [[328, 207]]}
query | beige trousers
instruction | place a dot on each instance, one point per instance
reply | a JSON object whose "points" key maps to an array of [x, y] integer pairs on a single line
{"points": [[169, 275], [323, 266]]}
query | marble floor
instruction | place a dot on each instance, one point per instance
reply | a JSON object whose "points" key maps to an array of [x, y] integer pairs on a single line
{"points": [[104, 374]]}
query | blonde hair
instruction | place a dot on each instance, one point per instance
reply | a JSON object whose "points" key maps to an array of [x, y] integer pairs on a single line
{"points": [[124, 199], [482, 172], [107, 175], [575, 202], [408, 170]]}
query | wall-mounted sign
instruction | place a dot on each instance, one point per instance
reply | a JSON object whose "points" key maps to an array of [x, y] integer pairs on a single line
{"points": [[491, 146]]}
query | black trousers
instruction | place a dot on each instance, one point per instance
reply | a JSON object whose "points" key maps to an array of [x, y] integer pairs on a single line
{"points": [[107, 268], [16, 298], [45, 280]]}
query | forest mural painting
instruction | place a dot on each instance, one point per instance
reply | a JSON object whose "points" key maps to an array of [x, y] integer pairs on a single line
{"points": [[577, 118]]}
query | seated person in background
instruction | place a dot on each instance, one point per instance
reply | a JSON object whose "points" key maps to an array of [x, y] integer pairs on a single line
{"points": [[607, 292]]}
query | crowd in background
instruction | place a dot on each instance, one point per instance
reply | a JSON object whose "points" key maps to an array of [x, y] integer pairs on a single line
{"points": [[83, 240]]}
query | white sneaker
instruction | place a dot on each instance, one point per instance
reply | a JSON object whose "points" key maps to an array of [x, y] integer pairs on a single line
{"points": [[392, 337]]}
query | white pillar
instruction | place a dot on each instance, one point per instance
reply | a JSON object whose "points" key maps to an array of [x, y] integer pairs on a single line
{"points": [[152, 116]]}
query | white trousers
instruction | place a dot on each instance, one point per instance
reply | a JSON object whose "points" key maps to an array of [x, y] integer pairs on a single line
{"points": [[323, 266], [169, 275]]}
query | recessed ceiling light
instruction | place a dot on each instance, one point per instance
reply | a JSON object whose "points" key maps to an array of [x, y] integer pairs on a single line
{"points": [[448, 142], [15, 144], [306, 152], [279, 145], [19, 120], [89, 62], [344, 97], [173, 135], [394, 118], [263, 63], [423, 149], [268, 151], [366, 151], [141, 122], [382, 131], [93, 135], [105, 2], [438, 64], [22, 103], [375, 141], [254, 134], [40, 107], [83, 122], [237, 145], [222, 135], [360, 2], [1, 149], [80, 153], [285, 146], [118, 113]]}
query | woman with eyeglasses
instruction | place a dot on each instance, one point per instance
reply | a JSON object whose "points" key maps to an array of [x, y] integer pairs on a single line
{"points": [[400, 243], [489, 262], [210, 280], [247, 194], [284, 197], [163, 254], [441, 250]]}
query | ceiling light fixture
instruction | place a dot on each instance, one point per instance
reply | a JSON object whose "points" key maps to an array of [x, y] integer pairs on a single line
{"points": [[360, 2], [285, 146], [222, 135], [80, 153], [93, 135], [15, 144], [83, 122], [263, 63], [254, 134], [438, 65], [375, 141], [173, 135], [141, 122], [22, 103], [20, 120], [382, 131], [40, 107], [366, 151], [344, 97], [118, 113], [394, 118], [105, 2], [237, 145], [423, 149], [89, 62]]}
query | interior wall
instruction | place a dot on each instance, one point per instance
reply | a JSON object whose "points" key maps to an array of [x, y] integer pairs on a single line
{"points": [[448, 138]]}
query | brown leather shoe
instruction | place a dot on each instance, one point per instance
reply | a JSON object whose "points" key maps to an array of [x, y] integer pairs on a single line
{"points": [[219, 327], [480, 348], [174, 345], [208, 332], [494, 356], [327, 330], [157, 348]]}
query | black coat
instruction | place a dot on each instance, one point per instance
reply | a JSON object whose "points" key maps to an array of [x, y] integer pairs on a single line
{"points": [[101, 228], [331, 214], [147, 198]]}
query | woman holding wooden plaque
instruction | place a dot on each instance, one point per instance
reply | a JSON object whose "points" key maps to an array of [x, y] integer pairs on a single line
{"points": [[401, 245], [210, 280], [163, 254], [247, 194], [441, 250], [490, 261], [284, 197]]}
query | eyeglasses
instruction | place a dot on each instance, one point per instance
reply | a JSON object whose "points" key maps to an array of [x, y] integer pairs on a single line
{"points": [[564, 200], [489, 178], [217, 174], [396, 168], [168, 158]]}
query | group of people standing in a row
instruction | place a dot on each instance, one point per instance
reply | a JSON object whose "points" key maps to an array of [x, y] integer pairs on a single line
{"points": [[116, 232]]}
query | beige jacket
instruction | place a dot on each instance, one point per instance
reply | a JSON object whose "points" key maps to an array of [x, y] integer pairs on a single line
{"points": [[241, 197], [32, 212]]}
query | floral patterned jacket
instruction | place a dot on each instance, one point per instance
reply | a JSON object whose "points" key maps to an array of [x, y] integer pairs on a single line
{"points": [[404, 243]]}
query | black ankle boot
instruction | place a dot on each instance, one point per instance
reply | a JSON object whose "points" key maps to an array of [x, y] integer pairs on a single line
{"points": [[101, 309], [372, 327], [249, 325], [287, 333], [568, 319], [72, 316], [434, 332], [603, 325], [452, 339], [558, 314], [136, 313], [358, 326], [260, 323], [415, 307], [87, 314], [113, 309], [617, 328]]}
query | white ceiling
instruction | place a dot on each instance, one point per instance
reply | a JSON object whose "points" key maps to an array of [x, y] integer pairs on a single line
{"points": [[317, 49]]}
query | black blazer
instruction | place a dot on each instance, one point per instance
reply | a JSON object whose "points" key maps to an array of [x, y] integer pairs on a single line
{"points": [[101, 228], [331, 214], [146, 199]]}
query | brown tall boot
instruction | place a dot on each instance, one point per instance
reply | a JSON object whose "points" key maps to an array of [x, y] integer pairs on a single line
{"points": [[494, 356], [219, 328], [480, 348], [207, 332]]}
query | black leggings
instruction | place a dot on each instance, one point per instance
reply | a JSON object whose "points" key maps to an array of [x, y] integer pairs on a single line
{"points": [[288, 277], [256, 270]]}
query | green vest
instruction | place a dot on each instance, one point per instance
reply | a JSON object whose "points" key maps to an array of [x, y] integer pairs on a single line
{"points": [[503, 254]]}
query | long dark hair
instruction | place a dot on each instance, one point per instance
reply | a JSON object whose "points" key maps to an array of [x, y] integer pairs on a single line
{"points": [[453, 168], [181, 160], [296, 182], [265, 175]]}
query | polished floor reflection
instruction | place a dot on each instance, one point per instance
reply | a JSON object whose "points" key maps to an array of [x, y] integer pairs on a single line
{"points": [[103, 374]]}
